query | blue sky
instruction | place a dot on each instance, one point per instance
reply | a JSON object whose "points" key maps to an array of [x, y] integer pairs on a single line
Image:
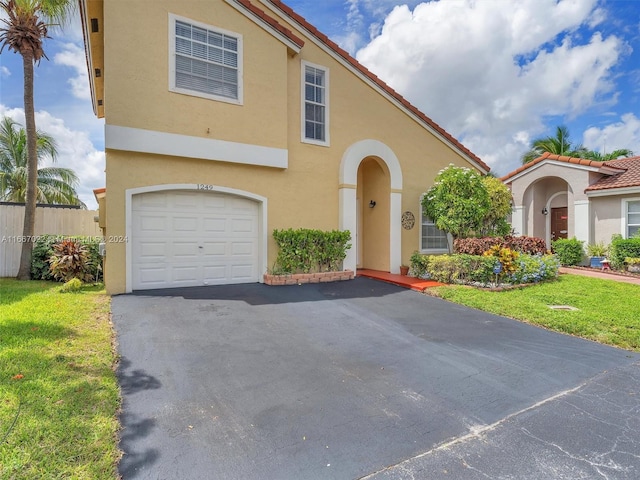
{"points": [[494, 73]]}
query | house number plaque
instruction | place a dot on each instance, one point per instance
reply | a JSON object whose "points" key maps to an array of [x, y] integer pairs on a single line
{"points": [[408, 220]]}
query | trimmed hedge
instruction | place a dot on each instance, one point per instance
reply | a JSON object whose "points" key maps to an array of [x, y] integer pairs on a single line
{"points": [[43, 249], [622, 248], [477, 246], [305, 250], [570, 251]]}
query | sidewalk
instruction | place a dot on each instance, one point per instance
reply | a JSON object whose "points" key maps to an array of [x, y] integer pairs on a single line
{"points": [[600, 274]]}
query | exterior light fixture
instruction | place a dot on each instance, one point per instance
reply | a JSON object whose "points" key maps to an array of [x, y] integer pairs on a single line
{"points": [[545, 211], [372, 203]]}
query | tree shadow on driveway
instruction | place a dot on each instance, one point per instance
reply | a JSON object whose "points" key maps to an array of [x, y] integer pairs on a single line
{"points": [[134, 427]]}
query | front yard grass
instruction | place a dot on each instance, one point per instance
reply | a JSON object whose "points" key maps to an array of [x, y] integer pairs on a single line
{"points": [[58, 391], [608, 311]]}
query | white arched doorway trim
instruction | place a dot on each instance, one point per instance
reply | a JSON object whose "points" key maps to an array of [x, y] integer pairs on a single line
{"points": [[129, 193], [548, 216], [347, 188]]}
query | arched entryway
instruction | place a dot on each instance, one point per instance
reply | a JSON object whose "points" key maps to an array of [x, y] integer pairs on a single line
{"points": [[370, 172], [373, 197], [549, 209]]}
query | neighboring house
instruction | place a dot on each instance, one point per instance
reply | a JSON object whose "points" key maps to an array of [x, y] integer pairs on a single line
{"points": [[562, 197], [227, 119]]}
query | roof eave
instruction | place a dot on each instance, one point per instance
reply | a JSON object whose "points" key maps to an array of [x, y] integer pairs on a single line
{"points": [[292, 42]]}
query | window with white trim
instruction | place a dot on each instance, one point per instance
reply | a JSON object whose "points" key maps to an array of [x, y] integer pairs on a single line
{"points": [[431, 237], [632, 218], [205, 61], [315, 111]]}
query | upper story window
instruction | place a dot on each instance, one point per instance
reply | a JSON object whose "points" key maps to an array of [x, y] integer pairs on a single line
{"points": [[204, 61], [632, 218], [315, 101]]}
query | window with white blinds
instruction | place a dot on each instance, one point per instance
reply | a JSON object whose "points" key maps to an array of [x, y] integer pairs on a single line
{"points": [[315, 101], [205, 61], [432, 239]]}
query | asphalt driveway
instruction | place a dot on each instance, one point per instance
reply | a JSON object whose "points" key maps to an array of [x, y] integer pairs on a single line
{"points": [[363, 379]]}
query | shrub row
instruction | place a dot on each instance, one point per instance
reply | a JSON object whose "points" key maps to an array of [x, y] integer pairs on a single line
{"points": [[477, 246], [43, 249], [622, 248], [480, 269], [305, 250]]}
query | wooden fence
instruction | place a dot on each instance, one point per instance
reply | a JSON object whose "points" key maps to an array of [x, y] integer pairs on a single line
{"points": [[54, 220]]}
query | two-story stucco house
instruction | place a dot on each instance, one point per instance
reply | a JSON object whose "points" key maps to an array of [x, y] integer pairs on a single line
{"points": [[227, 119], [563, 197]]}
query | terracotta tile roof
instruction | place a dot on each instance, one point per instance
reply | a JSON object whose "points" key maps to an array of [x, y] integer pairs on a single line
{"points": [[557, 158], [358, 66], [629, 178], [272, 22], [99, 190]]}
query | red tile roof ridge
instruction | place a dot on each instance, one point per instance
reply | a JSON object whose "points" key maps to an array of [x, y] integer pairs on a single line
{"points": [[351, 60], [553, 157]]}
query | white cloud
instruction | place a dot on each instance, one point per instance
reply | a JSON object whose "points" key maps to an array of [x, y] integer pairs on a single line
{"points": [[491, 71], [73, 56], [622, 134], [4, 71], [75, 151]]}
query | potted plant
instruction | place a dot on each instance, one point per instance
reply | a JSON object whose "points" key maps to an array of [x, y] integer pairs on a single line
{"points": [[404, 270], [598, 252], [633, 264]]}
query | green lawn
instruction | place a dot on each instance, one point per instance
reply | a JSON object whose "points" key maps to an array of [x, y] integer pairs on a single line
{"points": [[608, 311], [58, 392]]}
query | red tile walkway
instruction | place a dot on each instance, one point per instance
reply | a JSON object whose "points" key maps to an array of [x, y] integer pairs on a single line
{"points": [[599, 274], [417, 284]]}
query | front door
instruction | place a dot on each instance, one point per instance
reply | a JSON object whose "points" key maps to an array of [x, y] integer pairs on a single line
{"points": [[559, 223]]}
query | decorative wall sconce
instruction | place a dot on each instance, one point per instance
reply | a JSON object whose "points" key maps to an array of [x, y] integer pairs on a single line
{"points": [[372, 203], [545, 211]]}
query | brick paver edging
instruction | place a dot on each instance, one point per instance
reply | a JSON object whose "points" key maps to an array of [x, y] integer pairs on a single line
{"points": [[300, 278]]}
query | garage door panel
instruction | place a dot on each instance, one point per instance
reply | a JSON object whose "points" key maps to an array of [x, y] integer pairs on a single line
{"points": [[242, 248], [185, 273], [151, 251], [242, 271], [215, 274], [214, 225], [239, 225], [185, 224], [185, 250], [151, 277], [156, 200], [150, 223], [214, 249], [193, 238]]}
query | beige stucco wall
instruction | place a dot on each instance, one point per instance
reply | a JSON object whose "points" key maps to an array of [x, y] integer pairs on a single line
{"points": [[606, 216], [137, 75], [305, 194]]}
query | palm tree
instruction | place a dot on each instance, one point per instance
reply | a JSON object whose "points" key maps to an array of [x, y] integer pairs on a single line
{"points": [[55, 184], [599, 157], [24, 31], [559, 145]]}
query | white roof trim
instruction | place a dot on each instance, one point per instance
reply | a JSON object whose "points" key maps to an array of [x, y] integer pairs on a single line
{"points": [[607, 192], [265, 25]]}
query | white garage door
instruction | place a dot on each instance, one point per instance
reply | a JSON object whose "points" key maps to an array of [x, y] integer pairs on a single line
{"points": [[191, 238]]}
